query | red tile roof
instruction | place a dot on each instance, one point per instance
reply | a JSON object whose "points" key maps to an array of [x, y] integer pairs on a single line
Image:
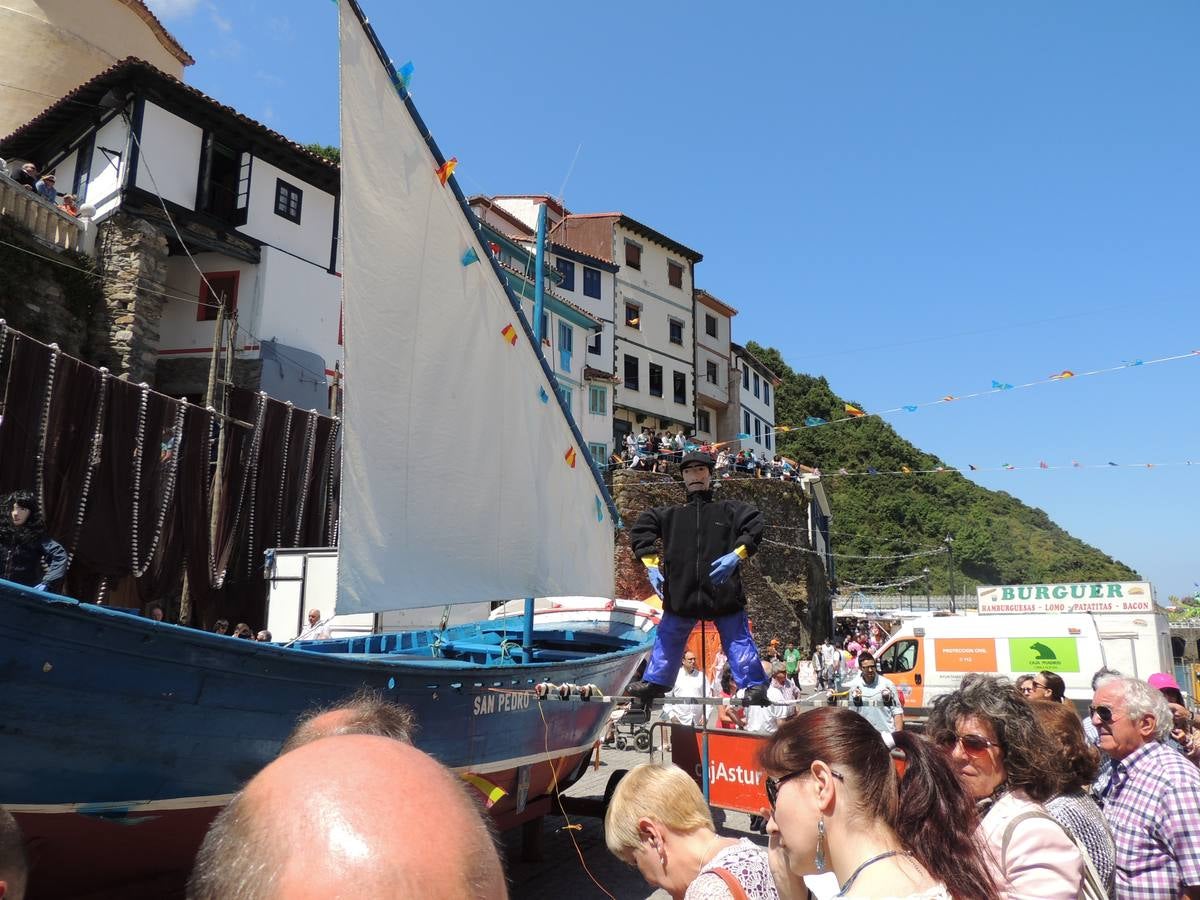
{"points": [[164, 37]]}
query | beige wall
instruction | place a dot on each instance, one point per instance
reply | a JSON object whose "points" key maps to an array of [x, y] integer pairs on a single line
{"points": [[50, 47]]}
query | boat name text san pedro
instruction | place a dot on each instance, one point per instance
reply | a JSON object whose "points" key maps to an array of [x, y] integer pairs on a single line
{"points": [[492, 703]]}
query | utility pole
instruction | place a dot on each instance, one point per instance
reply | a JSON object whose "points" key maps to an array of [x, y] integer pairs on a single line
{"points": [[950, 568], [927, 602]]}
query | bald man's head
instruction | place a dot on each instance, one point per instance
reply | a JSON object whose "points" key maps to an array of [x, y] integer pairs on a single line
{"points": [[354, 816]]}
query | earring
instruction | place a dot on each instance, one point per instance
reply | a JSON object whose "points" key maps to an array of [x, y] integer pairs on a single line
{"points": [[819, 861]]}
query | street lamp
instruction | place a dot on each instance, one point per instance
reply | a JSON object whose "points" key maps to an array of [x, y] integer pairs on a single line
{"points": [[926, 571], [950, 569]]}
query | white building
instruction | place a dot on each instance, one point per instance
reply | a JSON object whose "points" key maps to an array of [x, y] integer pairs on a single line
{"points": [[753, 400], [256, 212], [654, 354], [717, 417]]}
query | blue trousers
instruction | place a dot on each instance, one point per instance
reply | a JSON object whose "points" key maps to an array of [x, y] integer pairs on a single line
{"points": [[740, 649]]}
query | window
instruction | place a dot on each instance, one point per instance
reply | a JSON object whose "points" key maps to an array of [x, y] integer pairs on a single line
{"points": [[767, 438], [225, 182], [746, 379], [599, 453], [900, 657], [746, 422], [594, 343], [766, 393], [545, 327], [287, 200], [680, 387], [633, 255], [591, 283], [703, 422], [566, 269], [566, 345], [224, 291], [83, 168], [756, 384], [631, 372], [597, 400], [655, 380], [710, 325], [633, 316], [757, 431], [711, 371], [674, 274], [565, 393], [676, 328]]}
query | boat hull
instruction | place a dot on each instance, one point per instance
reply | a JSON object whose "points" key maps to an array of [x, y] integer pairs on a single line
{"points": [[126, 736]]}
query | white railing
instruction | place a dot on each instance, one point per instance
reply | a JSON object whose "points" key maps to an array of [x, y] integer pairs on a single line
{"points": [[41, 218]]}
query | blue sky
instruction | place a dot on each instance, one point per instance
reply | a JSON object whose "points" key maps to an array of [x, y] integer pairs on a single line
{"points": [[911, 200]]}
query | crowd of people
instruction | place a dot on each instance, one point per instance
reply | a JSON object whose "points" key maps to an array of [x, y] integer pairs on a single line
{"points": [[651, 451], [44, 185], [1002, 797]]}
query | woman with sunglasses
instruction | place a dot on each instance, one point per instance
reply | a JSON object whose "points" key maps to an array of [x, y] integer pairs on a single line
{"points": [[657, 822], [1004, 761], [837, 804]]}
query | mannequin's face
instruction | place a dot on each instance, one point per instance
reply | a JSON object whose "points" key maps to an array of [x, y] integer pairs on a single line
{"points": [[20, 515]]}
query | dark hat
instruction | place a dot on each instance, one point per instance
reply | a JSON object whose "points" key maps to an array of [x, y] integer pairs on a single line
{"points": [[696, 457]]}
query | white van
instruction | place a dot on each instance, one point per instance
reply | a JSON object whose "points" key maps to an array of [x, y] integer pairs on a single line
{"points": [[1021, 630]]}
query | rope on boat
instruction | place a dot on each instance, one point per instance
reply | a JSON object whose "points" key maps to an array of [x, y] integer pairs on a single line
{"points": [[592, 693]]}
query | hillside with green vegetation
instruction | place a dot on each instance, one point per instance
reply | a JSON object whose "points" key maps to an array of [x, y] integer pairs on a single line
{"points": [[997, 538]]}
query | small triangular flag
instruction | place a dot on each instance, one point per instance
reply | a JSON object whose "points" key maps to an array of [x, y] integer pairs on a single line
{"points": [[843, 472], [1076, 464], [853, 411], [1009, 466], [783, 428], [1042, 465], [972, 468], [509, 334], [446, 169], [470, 256], [910, 408], [948, 398], [743, 436], [569, 456], [1136, 362], [871, 470], [906, 470], [542, 395], [1001, 386], [1111, 463], [406, 73], [814, 421], [1065, 373], [599, 510]]}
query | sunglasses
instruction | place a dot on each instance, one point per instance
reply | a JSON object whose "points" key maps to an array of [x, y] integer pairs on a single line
{"points": [[974, 744], [772, 785], [1104, 713]]}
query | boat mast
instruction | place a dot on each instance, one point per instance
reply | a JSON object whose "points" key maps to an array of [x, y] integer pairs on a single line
{"points": [[539, 299]]}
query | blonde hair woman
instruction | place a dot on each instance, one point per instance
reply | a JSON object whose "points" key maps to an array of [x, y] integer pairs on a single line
{"points": [[658, 822]]}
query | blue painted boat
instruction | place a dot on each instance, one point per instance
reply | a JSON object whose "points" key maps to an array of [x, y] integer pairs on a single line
{"points": [[121, 737]]}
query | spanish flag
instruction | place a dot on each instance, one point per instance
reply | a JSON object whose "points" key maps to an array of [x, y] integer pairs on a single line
{"points": [[906, 470], [491, 792], [446, 169], [509, 334], [569, 456], [853, 411], [1065, 373]]}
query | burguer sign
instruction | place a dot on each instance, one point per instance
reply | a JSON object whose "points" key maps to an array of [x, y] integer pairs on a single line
{"points": [[1088, 596]]}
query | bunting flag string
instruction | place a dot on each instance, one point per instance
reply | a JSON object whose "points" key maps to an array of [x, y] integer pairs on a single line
{"points": [[1042, 465], [854, 413], [879, 587], [932, 552]]}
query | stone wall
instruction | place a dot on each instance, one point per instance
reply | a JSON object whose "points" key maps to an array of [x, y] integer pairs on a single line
{"points": [[779, 580], [132, 256], [188, 377], [45, 300]]}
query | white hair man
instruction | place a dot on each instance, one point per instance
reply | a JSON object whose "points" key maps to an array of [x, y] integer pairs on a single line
{"points": [[1153, 798]]}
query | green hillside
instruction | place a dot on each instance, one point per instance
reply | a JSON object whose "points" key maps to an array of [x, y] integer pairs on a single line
{"points": [[997, 538]]}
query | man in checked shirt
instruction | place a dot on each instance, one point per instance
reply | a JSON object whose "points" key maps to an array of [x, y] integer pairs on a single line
{"points": [[1153, 798]]}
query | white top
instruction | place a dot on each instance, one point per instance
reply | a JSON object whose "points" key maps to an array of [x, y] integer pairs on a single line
{"points": [[747, 862], [882, 717], [686, 686], [766, 719]]}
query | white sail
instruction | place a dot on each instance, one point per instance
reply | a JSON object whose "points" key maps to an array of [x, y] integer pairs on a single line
{"points": [[456, 480]]}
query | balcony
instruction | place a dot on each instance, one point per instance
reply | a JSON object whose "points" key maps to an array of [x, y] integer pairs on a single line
{"points": [[43, 219]]}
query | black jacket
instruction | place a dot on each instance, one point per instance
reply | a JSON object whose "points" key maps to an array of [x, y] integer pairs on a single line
{"points": [[694, 534], [31, 559]]}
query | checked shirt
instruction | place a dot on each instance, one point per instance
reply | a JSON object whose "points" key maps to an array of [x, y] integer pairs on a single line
{"points": [[1153, 806]]}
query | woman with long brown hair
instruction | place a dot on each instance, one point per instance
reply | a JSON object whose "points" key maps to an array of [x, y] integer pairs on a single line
{"points": [[838, 804]]}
